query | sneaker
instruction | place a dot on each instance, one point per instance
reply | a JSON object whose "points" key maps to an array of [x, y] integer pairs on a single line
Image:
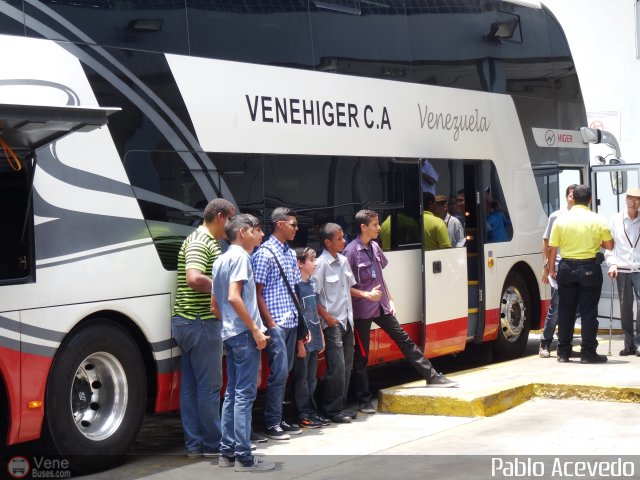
{"points": [[308, 423], [214, 454], [276, 433], [254, 446], [367, 407], [543, 351], [319, 418], [256, 437], [226, 462], [628, 351], [194, 454], [254, 465], [440, 381], [293, 429]]}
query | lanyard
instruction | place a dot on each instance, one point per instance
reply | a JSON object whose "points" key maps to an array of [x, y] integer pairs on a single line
{"points": [[373, 269], [631, 244]]}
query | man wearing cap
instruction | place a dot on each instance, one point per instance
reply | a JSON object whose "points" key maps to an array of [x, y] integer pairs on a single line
{"points": [[624, 266], [579, 234], [454, 227], [435, 235]]}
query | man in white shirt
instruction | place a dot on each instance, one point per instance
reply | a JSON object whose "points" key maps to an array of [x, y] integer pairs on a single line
{"points": [[624, 266], [551, 321]]}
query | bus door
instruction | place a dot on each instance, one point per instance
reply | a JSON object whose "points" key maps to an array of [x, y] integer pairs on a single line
{"points": [[451, 276], [609, 184]]}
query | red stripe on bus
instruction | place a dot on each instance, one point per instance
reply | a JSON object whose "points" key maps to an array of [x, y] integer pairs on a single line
{"points": [[25, 378]]}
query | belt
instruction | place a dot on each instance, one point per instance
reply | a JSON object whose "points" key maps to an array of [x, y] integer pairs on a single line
{"points": [[629, 269], [579, 260]]}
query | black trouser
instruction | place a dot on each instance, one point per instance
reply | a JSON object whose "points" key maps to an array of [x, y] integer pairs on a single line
{"points": [[339, 357], [579, 286], [390, 325]]}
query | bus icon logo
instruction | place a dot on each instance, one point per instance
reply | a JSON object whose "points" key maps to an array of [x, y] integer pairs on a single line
{"points": [[550, 137], [18, 467]]}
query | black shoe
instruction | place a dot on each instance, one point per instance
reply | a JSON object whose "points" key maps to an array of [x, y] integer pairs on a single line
{"points": [[276, 433], [593, 358], [352, 414], [563, 359], [574, 354], [309, 423], [628, 351], [340, 418], [319, 418], [440, 381]]}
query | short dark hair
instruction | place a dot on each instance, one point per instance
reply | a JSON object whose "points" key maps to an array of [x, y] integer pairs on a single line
{"points": [[239, 222], [328, 230], [365, 217], [570, 188], [216, 206], [428, 199], [281, 214], [582, 195]]}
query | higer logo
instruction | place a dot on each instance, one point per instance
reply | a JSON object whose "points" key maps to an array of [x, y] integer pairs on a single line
{"points": [[18, 467]]}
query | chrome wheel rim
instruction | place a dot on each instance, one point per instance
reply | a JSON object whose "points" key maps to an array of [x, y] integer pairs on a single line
{"points": [[99, 396], [512, 314]]}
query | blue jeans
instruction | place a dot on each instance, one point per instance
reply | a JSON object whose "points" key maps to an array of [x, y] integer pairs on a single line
{"points": [[552, 319], [280, 353], [304, 374], [243, 360], [628, 289], [201, 364]]}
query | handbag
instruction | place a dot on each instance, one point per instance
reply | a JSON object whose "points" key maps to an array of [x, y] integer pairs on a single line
{"points": [[302, 330]]}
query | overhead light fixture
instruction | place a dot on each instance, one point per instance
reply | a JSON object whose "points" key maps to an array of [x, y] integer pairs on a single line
{"points": [[503, 30], [146, 24]]}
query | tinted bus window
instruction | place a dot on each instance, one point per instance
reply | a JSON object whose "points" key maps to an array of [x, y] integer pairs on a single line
{"points": [[131, 24], [361, 38], [13, 25], [268, 32]]}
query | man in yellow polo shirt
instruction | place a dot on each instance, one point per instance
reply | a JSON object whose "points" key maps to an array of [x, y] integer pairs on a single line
{"points": [[579, 234], [435, 231]]}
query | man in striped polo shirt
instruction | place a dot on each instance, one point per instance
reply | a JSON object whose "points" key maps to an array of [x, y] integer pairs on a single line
{"points": [[199, 334]]}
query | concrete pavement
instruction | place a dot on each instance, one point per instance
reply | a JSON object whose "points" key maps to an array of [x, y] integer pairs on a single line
{"points": [[544, 430]]}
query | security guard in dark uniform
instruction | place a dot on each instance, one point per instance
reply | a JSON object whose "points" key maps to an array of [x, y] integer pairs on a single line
{"points": [[579, 234]]}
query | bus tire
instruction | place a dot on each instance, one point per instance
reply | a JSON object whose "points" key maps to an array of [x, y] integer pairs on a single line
{"points": [[96, 397], [515, 318]]}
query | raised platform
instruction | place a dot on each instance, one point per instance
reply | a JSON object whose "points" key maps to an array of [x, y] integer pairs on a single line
{"points": [[492, 389]]}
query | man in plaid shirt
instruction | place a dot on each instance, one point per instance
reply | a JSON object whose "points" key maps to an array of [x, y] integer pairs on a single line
{"points": [[279, 314]]}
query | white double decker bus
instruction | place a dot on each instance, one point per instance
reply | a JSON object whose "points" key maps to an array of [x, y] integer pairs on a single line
{"points": [[326, 107]]}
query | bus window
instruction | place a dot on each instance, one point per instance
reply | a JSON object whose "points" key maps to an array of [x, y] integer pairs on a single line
{"points": [[347, 39], [136, 25], [497, 221], [169, 197], [268, 32]]}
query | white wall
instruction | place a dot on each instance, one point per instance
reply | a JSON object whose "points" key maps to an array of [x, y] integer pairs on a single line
{"points": [[602, 38]]}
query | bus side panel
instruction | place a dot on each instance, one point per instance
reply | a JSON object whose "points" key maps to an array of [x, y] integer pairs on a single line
{"points": [[10, 370], [35, 370], [491, 324], [168, 397], [387, 350], [446, 337]]}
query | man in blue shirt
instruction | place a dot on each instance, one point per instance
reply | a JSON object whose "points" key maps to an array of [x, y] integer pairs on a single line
{"points": [[234, 301], [279, 314]]}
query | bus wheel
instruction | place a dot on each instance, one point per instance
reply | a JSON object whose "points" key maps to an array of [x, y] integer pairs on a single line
{"points": [[96, 396], [515, 318]]}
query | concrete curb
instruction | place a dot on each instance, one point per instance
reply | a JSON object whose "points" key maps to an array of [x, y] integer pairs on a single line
{"points": [[497, 401]]}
